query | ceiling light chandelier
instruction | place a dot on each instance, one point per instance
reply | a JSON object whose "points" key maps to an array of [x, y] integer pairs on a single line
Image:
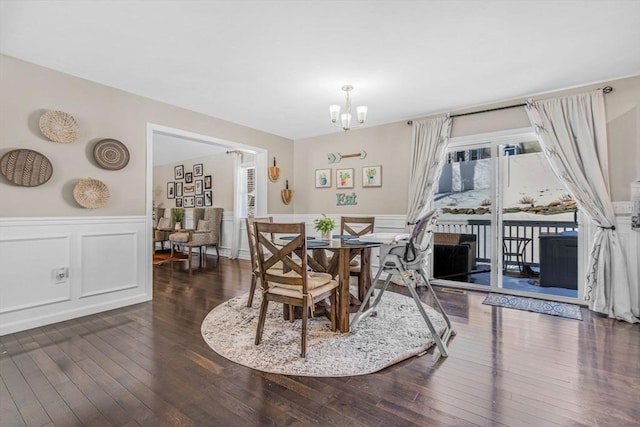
{"points": [[345, 117]]}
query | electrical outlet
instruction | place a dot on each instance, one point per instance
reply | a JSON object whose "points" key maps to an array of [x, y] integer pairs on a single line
{"points": [[60, 275], [622, 208]]}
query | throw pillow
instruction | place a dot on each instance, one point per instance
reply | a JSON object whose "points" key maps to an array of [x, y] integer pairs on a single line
{"points": [[202, 225], [164, 223]]}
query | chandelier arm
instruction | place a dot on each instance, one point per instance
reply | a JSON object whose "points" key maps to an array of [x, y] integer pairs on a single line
{"points": [[347, 104], [352, 126]]}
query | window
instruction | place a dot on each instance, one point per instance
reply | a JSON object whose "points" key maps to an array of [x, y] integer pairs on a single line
{"points": [[248, 190]]}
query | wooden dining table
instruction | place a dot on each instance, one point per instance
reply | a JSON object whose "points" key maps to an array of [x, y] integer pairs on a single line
{"points": [[344, 250]]}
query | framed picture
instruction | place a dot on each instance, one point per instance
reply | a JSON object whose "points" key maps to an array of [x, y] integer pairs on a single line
{"points": [[179, 189], [171, 190], [189, 189], [199, 186], [371, 176], [199, 202], [344, 178], [178, 172], [188, 177], [207, 182], [323, 178], [197, 169], [178, 202], [188, 202], [208, 198]]}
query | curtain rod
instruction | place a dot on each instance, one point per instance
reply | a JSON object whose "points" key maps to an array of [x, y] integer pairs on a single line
{"points": [[488, 110], [606, 89]]}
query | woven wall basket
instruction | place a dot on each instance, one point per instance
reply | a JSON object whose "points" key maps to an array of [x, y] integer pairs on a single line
{"points": [[59, 126], [91, 193], [111, 154], [27, 168]]}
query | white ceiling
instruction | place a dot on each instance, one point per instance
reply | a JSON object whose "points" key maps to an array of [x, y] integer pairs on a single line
{"points": [[277, 65]]}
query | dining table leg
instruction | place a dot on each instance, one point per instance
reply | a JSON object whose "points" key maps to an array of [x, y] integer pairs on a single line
{"points": [[364, 278], [343, 296]]}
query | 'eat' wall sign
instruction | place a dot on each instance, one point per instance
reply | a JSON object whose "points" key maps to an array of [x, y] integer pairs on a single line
{"points": [[343, 199]]}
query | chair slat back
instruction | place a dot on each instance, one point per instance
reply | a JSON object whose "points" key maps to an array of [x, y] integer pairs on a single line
{"points": [[251, 238], [293, 254], [357, 225]]}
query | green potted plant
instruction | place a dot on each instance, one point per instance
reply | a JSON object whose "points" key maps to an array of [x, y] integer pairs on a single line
{"points": [[325, 225], [178, 216]]}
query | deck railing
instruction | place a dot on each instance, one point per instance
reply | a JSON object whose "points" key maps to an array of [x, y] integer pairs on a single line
{"points": [[521, 229]]}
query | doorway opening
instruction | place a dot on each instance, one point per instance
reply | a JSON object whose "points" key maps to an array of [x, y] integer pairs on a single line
{"points": [[508, 225], [177, 147]]}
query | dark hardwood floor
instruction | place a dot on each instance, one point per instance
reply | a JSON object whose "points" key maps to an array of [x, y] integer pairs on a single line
{"points": [[147, 365]]}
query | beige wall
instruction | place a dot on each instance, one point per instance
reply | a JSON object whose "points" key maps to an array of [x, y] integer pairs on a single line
{"points": [[102, 112], [390, 146], [387, 145]]}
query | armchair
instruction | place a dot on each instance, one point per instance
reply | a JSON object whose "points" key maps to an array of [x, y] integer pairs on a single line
{"points": [[454, 255], [162, 231], [206, 233]]}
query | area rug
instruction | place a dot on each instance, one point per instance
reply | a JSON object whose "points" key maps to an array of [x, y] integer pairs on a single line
{"points": [[396, 333], [160, 257], [570, 311]]}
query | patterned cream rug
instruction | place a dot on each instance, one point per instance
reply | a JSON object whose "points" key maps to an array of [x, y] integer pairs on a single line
{"points": [[395, 334], [570, 311]]}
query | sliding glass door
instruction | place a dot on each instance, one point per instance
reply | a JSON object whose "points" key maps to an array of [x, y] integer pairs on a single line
{"points": [[463, 249], [507, 225]]}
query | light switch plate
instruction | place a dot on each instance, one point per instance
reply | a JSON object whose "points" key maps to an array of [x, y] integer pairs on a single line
{"points": [[622, 208]]}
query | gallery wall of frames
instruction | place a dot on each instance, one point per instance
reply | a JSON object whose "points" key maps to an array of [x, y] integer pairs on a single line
{"points": [[191, 188]]}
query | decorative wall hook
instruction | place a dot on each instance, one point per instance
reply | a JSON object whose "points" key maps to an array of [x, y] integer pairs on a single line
{"points": [[287, 194], [274, 172]]}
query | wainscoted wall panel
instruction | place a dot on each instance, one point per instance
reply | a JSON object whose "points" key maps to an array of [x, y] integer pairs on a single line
{"points": [[28, 282], [384, 223], [106, 263], [630, 241], [55, 269]]}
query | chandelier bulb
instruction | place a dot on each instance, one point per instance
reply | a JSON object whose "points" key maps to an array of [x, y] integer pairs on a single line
{"points": [[362, 113]]}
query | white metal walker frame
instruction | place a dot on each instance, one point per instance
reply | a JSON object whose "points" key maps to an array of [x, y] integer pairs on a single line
{"points": [[400, 258]]}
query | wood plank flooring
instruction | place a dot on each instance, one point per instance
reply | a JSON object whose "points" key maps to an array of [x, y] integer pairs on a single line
{"points": [[147, 365]]}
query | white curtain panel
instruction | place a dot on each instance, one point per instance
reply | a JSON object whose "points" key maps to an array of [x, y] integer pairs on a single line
{"points": [[430, 140], [236, 156], [572, 131]]}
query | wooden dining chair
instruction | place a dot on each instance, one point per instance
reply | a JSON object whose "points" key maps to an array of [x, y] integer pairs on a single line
{"points": [[357, 226], [294, 285], [255, 269]]}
